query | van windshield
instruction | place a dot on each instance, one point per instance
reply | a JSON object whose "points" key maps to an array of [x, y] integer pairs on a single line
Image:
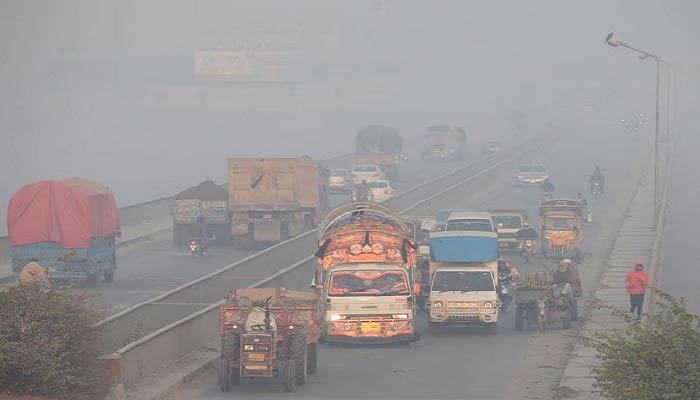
{"points": [[507, 221], [368, 283], [463, 281]]}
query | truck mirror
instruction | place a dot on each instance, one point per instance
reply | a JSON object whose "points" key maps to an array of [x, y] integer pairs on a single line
{"points": [[312, 286]]}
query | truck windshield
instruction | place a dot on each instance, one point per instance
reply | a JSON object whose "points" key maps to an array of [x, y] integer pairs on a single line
{"points": [[368, 283], [463, 281], [508, 221], [560, 224]]}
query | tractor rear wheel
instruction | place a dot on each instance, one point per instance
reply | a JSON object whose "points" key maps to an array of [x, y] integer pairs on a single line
{"points": [[297, 352]]}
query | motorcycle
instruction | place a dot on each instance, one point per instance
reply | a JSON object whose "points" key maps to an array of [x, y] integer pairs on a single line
{"points": [[528, 247], [596, 189], [197, 248], [504, 293]]}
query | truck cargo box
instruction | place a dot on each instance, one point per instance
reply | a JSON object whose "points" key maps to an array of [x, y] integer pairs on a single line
{"points": [[463, 246], [70, 212]]}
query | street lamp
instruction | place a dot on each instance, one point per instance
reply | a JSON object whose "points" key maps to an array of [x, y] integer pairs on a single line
{"points": [[643, 55]]}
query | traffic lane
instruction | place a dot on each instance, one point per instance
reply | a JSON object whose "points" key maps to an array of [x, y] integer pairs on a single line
{"points": [[454, 363], [154, 265], [679, 274]]}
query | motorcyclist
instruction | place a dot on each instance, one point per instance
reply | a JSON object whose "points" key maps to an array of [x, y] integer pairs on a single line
{"points": [[199, 232], [567, 272], [507, 273], [362, 191], [584, 209], [526, 233], [547, 186], [597, 176]]}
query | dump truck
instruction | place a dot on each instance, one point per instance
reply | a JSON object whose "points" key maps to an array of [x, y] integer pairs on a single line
{"points": [[463, 279], [366, 272], [268, 333], [444, 143], [274, 199], [207, 201], [68, 226], [379, 145]]}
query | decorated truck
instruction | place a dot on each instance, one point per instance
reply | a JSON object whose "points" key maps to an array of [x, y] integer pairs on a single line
{"points": [[444, 143], [268, 333], [68, 226], [207, 201], [366, 275], [463, 279], [274, 199], [379, 145]]}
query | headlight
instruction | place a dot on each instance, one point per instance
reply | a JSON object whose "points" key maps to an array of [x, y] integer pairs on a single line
{"points": [[488, 304], [400, 316], [248, 347], [437, 304], [336, 317]]}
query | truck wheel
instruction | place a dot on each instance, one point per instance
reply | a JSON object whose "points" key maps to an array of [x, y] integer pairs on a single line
{"points": [[109, 275], [93, 280], [230, 351], [311, 358], [297, 352], [224, 375], [519, 318], [289, 376]]}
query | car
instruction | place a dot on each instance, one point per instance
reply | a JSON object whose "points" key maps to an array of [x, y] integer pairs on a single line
{"points": [[339, 181], [366, 173], [472, 221], [441, 218], [531, 175], [492, 146], [381, 190]]}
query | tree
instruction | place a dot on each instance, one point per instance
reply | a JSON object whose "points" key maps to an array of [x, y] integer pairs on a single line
{"points": [[657, 358], [48, 343]]}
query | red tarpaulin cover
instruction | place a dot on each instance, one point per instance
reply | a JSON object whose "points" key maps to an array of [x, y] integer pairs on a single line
{"points": [[68, 211]]}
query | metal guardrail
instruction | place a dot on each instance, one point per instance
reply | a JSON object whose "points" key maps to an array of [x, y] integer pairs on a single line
{"points": [[162, 330]]}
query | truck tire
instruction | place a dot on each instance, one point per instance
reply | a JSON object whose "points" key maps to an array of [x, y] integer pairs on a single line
{"points": [[289, 376], [311, 360], [519, 318], [230, 353], [224, 375], [297, 352], [109, 274]]}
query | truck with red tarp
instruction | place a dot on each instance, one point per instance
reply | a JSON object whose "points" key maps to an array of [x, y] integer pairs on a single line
{"points": [[68, 225], [366, 277], [379, 145]]}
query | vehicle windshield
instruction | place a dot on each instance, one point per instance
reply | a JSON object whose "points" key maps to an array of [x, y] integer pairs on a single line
{"points": [[508, 221], [560, 224], [479, 225], [368, 283], [463, 281], [338, 172], [526, 168], [539, 168], [378, 184], [365, 168], [442, 216]]}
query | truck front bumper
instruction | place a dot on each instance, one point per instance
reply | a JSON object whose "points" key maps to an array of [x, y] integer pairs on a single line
{"points": [[385, 331], [462, 318]]}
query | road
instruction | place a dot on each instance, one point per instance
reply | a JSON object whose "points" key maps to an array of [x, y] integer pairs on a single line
{"points": [[154, 265], [680, 274], [470, 363]]}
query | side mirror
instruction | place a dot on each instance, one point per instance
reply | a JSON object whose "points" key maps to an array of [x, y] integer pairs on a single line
{"points": [[312, 286]]}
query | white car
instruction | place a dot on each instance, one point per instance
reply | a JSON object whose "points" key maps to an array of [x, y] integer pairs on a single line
{"points": [[381, 190], [531, 174], [366, 173]]}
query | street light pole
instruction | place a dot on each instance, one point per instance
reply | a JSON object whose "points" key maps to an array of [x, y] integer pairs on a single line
{"points": [[645, 54]]}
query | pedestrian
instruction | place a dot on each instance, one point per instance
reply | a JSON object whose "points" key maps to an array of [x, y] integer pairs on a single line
{"points": [[636, 282]]}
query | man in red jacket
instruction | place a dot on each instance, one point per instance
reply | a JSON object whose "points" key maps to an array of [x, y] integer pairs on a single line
{"points": [[636, 282]]}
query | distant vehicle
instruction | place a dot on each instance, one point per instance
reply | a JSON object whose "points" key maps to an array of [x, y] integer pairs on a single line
{"points": [[441, 218], [470, 221], [444, 143], [531, 175], [366, 173], [206, 200], [381, 190], [339, 181], [492, 146], [508, 222], [380, 145]]}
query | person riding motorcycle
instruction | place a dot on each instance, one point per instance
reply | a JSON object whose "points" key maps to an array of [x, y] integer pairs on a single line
{"points": [[507, 273], [567, 272], [200, 233], [597, 176], [526, 233], [547, 186], [362, 191]]}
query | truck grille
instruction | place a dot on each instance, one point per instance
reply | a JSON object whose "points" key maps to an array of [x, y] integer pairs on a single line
{"points": [[506, 235], [463, 317]]}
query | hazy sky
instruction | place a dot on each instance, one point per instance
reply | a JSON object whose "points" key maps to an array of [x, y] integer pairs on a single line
{"points": [[106, 90]]}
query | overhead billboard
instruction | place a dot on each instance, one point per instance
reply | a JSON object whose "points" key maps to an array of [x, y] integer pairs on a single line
{"points": [[246, 65]]}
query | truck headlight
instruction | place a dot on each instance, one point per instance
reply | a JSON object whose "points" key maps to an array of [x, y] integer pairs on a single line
{"points": [[400, 316], [437, 304], [337, 317], [488, 304], [248, 347]]}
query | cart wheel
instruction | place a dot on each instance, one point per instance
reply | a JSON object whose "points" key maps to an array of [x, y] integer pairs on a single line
{"points": [[297, 352], [519, 318], [311, 358], [574, 311], [289, 376]]}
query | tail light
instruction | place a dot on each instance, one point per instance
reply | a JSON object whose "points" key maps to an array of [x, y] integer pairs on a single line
{"points": [[193, 242], [388, 191]]}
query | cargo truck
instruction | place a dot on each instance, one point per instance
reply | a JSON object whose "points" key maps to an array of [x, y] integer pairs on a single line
{"points": [[379, 145], [274, 199], [463, 279], [366, 275], [69, 226], [444, 143], [206, 200]]}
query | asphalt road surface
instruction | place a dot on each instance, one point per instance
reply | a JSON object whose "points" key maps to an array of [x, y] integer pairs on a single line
{"points": [[154, 265], [461, 363]]}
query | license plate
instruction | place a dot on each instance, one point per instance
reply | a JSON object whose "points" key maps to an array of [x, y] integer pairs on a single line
{"points": [[256, 356], [370, 327], [424, 249]]}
